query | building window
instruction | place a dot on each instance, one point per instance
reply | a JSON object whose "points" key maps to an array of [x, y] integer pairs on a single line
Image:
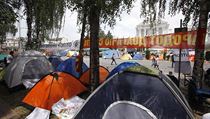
{"points": [[142, 32]]}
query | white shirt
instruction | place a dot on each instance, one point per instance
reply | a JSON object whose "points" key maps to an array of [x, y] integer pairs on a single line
{"points": [[9, 58]]}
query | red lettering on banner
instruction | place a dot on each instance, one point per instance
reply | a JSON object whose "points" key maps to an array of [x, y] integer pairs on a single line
{"points": [[173, 40]]}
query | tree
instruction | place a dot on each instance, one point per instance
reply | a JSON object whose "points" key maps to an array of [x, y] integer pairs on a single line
{"points": [[99, 11], [8, 18], [102, 34], [44, 18], [197, 10], [109, 35], [29, 20]]}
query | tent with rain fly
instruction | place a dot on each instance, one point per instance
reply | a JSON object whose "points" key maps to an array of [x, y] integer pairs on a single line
{"points": [[136, 93], [69, 66], [103, 73], [53, 87], [126, 57], [27, 68], [55, 61], [138, 56], [109, 53], [121, 67]]}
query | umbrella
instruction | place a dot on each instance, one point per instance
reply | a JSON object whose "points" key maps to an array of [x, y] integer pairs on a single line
{"points": [[52, 88]]}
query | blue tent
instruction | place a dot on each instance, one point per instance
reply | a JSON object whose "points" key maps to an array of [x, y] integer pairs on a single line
{"points": [[69, 66], [55, 61], [108, 54], [121, 67], [136, 93], [63, 52], [138, 57]]}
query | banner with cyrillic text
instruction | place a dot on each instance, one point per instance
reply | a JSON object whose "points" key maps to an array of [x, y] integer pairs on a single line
{"points": [[183, 40]]}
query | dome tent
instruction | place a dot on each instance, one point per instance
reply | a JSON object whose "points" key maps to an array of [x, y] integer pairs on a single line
{"points": [[27, 68], [126, 57], [55, 61], [51, 88], [85, 78], [138, 56], [109, 53], [121, 67], [69, 66], [137, 89]]}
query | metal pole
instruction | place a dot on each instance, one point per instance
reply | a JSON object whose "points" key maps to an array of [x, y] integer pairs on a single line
{"points": [[180, 52]]}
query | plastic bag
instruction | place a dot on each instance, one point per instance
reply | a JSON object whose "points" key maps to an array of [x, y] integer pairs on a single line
{"points": [[39, 113], [66, 109]]}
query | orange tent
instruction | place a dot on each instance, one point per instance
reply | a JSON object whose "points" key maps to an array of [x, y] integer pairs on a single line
{"points": [[85, 78], [52, 88], [191, 58]]}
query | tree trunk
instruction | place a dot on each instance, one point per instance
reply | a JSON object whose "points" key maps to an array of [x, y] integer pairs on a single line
{"points": [[200, 43], [82, 42], [94, 46], [37, 40], [29, 19]]}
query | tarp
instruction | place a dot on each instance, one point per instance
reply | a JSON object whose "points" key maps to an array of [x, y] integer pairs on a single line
{"points": [[121, 67], [109, 53], [138, 57], [52, 88], [103, 73], [69, 66], [2, 56], [126, 57], [27, 68], [136, 85]]}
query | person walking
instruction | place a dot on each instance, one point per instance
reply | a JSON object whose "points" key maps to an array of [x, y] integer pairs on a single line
{"points": [[154, 62], [113, 59]]}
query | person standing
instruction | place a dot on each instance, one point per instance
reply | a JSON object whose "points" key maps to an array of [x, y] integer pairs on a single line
{"points": [[172, 60], [9, 58], [113, 59], [173, 78]]}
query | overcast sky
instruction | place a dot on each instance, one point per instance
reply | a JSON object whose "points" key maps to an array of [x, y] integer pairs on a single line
{"points": [[124, 28]]}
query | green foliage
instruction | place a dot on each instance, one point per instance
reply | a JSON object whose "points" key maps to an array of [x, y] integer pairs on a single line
{"points": [[102, 34], [153, 10], [7, 19], [109, 35], [147, 52], [46, 17], [109, 9]]}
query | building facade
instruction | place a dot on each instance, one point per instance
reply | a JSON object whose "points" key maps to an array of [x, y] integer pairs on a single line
{"points": [[145, 29]]}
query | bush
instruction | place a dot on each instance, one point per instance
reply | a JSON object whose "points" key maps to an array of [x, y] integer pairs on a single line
{"points": [[147, 54]]}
